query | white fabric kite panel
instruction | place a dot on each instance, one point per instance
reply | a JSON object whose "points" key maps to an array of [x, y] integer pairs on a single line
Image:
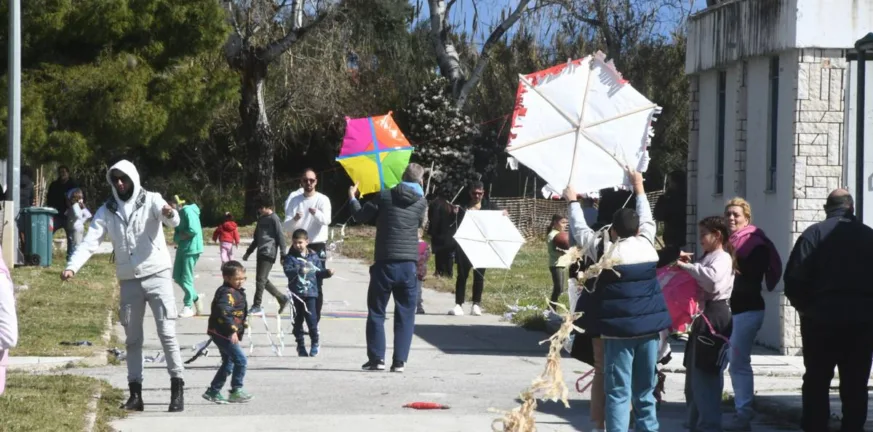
{"points": [[540, 119], [551, 160], [564, 87]]}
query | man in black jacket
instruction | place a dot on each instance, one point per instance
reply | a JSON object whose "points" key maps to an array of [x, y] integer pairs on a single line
{"points": [[827, 281], [399, 213]]}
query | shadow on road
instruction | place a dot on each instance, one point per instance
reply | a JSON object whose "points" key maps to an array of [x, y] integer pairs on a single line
{"points": [[497, 340]]}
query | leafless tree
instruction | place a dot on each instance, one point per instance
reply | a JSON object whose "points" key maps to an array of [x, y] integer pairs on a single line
{"points": [[262, 31]]}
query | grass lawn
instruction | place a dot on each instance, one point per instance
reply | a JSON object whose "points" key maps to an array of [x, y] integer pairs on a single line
{"points": [[50, 311], [55, 403], [528, 282]]}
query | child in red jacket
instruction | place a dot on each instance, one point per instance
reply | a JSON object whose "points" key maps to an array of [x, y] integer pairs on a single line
{"points": [[228, 236]]}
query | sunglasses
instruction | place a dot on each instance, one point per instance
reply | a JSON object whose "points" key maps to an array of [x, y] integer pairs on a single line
{"points": [[116, 179], [309, 180]]}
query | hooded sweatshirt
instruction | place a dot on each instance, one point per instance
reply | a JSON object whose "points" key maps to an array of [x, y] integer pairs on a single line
{"points": [[226, 233], [133, 226], [398, 212], [189, 233]]}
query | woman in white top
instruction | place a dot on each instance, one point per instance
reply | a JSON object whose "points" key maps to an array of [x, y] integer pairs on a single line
{"points": [[705, 353]]}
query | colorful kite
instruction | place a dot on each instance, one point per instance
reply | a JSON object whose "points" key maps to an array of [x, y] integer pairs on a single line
{"points": [[374, 153]]}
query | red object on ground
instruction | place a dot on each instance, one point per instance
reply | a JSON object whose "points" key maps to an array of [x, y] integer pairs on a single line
{"points": [[562, 240], [425, 405]]}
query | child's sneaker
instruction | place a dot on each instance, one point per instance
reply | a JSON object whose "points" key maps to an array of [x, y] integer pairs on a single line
{"points": [[301, 350], [214, 397], [239, 396], [256, 310], [314, 350]]}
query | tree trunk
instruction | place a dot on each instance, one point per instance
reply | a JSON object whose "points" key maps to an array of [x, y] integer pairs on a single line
{"points": [[257, 137]]}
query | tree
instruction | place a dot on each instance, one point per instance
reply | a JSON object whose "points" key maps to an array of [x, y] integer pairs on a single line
{"points": [[260, 35], [448, 57], [443, 136], [102, 80]]}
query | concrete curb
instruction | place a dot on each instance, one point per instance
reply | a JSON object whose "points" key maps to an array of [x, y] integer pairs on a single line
{"points": [[91, 416]]}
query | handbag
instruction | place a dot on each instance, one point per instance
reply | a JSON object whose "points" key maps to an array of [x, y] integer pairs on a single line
{"points": [[711, 350]]}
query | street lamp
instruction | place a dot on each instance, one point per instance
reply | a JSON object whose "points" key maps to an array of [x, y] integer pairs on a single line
{"points": [[861, 46]]}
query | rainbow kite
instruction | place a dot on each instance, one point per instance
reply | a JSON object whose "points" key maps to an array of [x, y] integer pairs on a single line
{"points": [[374, 153]]}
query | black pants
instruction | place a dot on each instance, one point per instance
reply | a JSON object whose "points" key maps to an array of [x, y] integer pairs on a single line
{"points": [[262, 281], [321, 250], [848, 347], [444, 262], [303, 311], [464, 267], [559, 277]]}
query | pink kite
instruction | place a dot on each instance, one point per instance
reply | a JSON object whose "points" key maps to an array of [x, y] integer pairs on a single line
{"points": [[681, 293]]}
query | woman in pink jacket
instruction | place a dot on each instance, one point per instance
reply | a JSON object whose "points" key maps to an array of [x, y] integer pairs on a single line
{"points": [[8, 320]]}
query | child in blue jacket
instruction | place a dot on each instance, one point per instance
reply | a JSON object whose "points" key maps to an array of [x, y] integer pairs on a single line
{"points": [[303, 268]]}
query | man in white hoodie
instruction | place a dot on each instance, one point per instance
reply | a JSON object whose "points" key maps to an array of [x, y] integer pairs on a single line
{"points": [[132, 219], [309, 210]]}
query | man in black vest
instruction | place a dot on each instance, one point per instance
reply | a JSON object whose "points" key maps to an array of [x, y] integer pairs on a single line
{"points": [[399, 213]]}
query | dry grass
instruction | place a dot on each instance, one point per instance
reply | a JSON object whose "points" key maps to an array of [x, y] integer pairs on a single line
{"points": [[51, 311], [55, 403], [527, 283]]}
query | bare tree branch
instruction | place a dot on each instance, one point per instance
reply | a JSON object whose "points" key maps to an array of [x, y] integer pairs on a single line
{"points": [[485, 55], [276, 48], [232, 17]]}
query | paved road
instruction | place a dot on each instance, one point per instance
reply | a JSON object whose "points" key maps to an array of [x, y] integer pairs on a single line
{"points": [[470, 363]]}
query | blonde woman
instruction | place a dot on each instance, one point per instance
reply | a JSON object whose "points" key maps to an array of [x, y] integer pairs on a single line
{"points": [[757, 262]]}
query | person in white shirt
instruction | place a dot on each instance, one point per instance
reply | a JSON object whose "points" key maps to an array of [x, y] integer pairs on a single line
{"points": [[310, 210]]}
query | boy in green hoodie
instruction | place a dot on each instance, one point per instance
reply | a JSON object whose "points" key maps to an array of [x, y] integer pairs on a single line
{"points": [[189, 245]]}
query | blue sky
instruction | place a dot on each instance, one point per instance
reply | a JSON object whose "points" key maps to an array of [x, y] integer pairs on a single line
{"points": [[489, 12]]}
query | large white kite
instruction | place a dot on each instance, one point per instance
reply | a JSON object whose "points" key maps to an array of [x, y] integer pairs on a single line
{"points": [[581, 124]]}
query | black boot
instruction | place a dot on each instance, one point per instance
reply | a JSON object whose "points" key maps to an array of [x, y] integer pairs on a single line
{"points": [[134, 403], [177, 397]]}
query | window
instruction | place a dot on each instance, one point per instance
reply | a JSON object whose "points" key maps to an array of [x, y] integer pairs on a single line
{"points": [[719, 152], [773, 124]]}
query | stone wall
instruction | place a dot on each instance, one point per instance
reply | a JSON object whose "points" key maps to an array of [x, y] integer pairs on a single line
{"points": [[818, 146], [691, 164]]}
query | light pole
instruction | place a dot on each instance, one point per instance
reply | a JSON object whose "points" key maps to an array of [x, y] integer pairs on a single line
{"points": [[861, 46], [13, 171]]}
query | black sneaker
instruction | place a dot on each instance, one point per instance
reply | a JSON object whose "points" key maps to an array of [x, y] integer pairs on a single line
{"points": [[374, 365], [398, 366], [419, 311]]}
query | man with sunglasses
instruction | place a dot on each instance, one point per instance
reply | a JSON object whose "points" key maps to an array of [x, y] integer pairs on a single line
{"points": [[132, 218], [309, 210]]}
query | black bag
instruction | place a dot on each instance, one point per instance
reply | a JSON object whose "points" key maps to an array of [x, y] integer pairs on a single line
{"points": [[582, 349], [710, 348]]}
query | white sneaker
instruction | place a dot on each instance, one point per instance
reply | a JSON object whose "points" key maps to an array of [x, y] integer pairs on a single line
{"points": [[476, 310], [186, 312], [457, 311], [198, 305]]}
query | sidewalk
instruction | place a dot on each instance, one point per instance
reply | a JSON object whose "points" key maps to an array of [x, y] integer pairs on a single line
{"points": [[470, 363]]}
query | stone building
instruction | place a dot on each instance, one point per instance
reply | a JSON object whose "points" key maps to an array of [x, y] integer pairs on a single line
{"points": [[770, 121]]}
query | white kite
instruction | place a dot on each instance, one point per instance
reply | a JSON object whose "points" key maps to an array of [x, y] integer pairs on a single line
{"points": [[489, 239], [581, 124]]}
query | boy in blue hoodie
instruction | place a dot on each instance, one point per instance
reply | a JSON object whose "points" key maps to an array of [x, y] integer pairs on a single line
{"points": [[303, 268]]}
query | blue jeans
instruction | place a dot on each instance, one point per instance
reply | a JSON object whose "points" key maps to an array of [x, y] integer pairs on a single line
{"points": [[311, 317], [745, 328], [703, 392], [386, 278], [629, 377], [233, 361]]}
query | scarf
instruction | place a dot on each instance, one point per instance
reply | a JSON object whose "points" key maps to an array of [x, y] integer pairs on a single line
{"points": [[746, 239]]}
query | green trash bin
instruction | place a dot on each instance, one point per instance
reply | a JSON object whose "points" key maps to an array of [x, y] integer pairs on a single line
{"points": [[38, 233]]}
